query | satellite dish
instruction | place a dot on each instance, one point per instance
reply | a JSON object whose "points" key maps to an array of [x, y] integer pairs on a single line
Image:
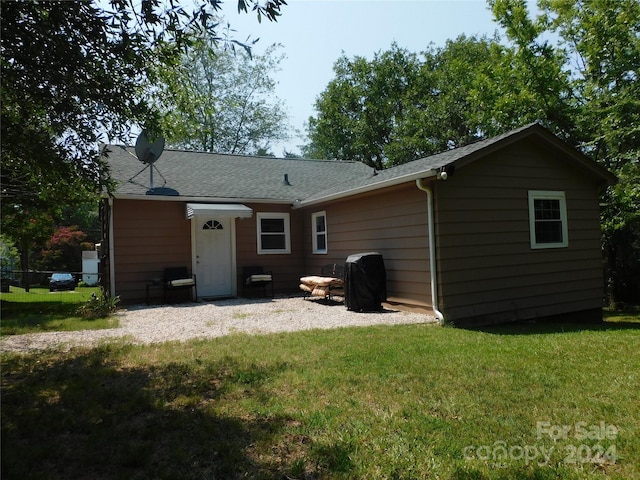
{"points": [[147, 151]]}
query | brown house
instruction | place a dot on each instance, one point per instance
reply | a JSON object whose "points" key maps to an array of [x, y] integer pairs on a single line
{"points": [[503, 229]]}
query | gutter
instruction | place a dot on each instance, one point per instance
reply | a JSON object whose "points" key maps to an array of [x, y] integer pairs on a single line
{"points": [[419, 178], [432, 250], [163, 198], [365, 188]]}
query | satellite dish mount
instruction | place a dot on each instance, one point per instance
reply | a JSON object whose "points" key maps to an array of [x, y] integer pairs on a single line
{"points": [[148, 152]]}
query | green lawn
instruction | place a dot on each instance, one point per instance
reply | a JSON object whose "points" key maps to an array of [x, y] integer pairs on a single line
{"points": [[41, 311], [415, 401]]}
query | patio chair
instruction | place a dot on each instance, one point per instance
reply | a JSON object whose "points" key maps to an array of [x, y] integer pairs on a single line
{"points": [[330, 282], [178, 278], [255, 277]]}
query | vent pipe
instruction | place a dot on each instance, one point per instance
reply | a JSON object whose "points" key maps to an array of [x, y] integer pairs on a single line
{"points": [[286, 180]]}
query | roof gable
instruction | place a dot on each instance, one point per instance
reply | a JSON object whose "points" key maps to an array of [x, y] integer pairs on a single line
{"points": [[459, 157]]}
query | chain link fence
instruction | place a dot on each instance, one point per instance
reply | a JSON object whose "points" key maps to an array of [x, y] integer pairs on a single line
{"points": [[46, 286]]}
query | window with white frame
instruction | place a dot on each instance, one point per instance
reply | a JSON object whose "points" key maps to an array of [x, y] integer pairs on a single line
{"points": [[319, 233], [273, 232], [548, 219]]}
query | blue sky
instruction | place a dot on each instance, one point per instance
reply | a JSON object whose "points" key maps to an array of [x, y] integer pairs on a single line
{"points": [[314, 33]]}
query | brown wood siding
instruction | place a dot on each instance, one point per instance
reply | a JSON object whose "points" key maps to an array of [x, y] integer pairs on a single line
{"points": [[149, 236], [392, 222], [152, 235], [286, 268], [486, 265]]}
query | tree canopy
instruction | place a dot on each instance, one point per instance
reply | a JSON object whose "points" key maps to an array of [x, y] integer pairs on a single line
{"points": [[77, 73], [583, 86], [222, 101], [400, 106], [361, 108]]}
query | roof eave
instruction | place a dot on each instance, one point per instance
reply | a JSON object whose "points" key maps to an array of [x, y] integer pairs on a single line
{"points": [[545, 135], [366, 188], [168, 198]]}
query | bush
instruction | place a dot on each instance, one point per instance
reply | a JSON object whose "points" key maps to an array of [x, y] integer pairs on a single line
{"points": [[99, 305]]}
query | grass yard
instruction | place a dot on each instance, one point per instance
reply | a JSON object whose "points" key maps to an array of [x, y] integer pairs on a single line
{"points": [[41, 311], [415, 401]]}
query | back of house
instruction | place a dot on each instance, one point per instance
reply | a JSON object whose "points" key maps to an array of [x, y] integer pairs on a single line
{"points": [[499, 230]]}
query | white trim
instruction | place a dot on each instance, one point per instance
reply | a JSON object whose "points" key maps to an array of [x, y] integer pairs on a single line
{"points": [[234, 260], [315, 233], [548, 195], [160, 198], [112, 257], [194, 253], [218, 210], [417, 176], [287, 232]]}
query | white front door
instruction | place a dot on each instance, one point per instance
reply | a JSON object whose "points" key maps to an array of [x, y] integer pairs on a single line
{"points": [[213, 252]]}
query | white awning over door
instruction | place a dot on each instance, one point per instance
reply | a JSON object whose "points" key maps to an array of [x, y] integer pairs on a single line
{"points": [[233, 210]]}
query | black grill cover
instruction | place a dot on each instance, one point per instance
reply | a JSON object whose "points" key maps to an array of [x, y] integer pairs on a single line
{"points": [[365, 281]]}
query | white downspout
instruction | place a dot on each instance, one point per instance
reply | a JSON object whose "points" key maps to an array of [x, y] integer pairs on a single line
{"points": [[112, 261], [432, 250]]}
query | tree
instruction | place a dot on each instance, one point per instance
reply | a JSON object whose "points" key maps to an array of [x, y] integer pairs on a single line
{"points": [[444, 104], [599, 42], [27, 229], [621, 235], [63, 251], [87, 218], [287, 154], [360, 109], [77, 73], [9, 257], [220, 101], [401, 106]]}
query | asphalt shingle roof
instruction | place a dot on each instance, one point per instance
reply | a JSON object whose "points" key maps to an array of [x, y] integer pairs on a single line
{"points": [[215, 176], [418, 167]]}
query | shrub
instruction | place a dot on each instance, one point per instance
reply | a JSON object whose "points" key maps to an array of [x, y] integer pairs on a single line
{"points": [[99, 305]]}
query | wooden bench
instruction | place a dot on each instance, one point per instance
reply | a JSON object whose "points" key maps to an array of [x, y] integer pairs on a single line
{"points": [[328, 284], [178, 278]]}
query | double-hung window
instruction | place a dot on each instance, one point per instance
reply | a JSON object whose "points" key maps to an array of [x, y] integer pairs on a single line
{"points": [[548, 219], [273, 232], [319, 233]]}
